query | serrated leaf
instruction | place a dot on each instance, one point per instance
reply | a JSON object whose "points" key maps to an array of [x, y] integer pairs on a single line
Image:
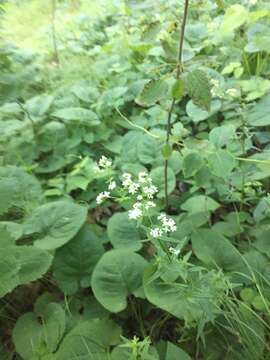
{"points": [[199, 89], [153, 91], [200, 203]]}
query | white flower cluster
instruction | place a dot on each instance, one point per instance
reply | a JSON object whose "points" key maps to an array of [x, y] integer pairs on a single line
{"points": [[102, 164], [167, 225], [145, 191], [102, 197], [174, 251]]}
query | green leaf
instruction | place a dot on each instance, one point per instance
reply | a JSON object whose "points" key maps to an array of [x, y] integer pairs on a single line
{"points": [[200, 203], [259, 114], [117, 275], [157, 176], [83, 116], [178, 89], [212, 248], [153, 91], [147, 149], [197, 114], [74, 262], [166, 151], [21, 265], [18, 189], [89, 340], [35, 336], [192, 163], [199, 89], [56, 223], [235, 16], [175, 353], [221, 163], [123, 232], [222, 135], [151, 31]]}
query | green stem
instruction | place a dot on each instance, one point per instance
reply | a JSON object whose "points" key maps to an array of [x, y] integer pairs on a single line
{"points": [[179, 70]]}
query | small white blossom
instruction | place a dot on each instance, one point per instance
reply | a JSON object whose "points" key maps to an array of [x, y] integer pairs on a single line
{"points": [[149, 204], [112, 185], [102, 196], [168, 224], [156, 232], [142, 176], [135, 213], [139, 197], [104, 162], [127, 181], [174, 251], [133, 188], [150, 191]]}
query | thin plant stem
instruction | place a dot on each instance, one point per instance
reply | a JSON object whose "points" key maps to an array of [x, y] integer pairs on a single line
{"points": [[179, 70], [29, 116]]}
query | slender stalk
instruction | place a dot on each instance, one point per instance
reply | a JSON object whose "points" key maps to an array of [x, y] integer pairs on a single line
{"points": [[56, 54], [179, 70]]}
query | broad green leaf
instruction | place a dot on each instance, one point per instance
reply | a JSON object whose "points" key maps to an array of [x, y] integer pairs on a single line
{"points": [[254, 87], [192, 163], [235, 16], [18, 189], [117, 275], [222, 135], [262, 210], [197, 114], [200, 203], [56, 223], [199, 89], [153, 91], [74, 262], [221, 163], [157, 176], [89, 340], [175, 353], [262, 242], [212, 248], [83, 116], [35, 336], [21, 265], [123, 232], [259, 114], [147, 149]]}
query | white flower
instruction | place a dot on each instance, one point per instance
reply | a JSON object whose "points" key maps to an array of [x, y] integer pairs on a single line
{"points": [[127, 181], [142, 176], [174, 251], [156, 232], [135, 213], [133, 188], [168, 224], [112, 185], [253, 2], [150, 191], [139, 197], [102, 196], [214, 82], [104, 162], [232, 92], [149, 204]]}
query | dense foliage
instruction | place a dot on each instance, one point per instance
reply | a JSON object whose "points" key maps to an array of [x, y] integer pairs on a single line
{"points": [[93, 264]]}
